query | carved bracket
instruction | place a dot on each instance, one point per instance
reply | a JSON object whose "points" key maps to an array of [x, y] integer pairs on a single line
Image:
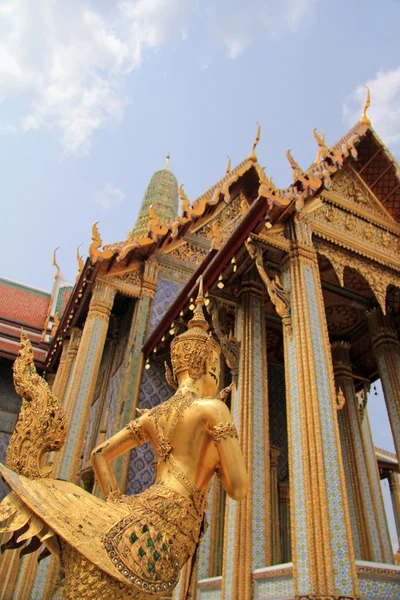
{"points": [[229, 345], [277, 293]]}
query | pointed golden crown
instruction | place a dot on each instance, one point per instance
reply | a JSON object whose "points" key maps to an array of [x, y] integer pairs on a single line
{"points": [[191, 349]]}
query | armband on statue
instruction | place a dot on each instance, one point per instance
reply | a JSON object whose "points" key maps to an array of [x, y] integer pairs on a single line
{"points": [[222, 432], [136, 430]]}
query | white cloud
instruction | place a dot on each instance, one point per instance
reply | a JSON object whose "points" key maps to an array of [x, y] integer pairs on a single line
{"points": [[69, 61], [239, 23], [384, 111], [109, 197]]}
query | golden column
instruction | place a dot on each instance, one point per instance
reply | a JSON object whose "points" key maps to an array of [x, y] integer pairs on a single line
{"points": [[84, 377], [322, 548], [387, 354], [370, 532], [60, 371], [275, 526], [284, 521], [395, 495], [69, 352], [247, 543]]}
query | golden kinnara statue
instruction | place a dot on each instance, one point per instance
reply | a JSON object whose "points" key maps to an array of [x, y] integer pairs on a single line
{"points": [[125, 546]]}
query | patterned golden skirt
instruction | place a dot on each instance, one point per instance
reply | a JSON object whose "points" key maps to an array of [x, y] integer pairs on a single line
{"points": [[131, 548]]}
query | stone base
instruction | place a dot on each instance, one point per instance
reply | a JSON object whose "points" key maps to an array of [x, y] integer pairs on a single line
{"points": [[377, 581]]}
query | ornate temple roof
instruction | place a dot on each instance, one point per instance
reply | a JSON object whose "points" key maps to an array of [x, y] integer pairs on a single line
{"points": [[162, 196], [22, 306]]}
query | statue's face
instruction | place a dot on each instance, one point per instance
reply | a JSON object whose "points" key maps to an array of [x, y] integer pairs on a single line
{"points": [[211, 377]]}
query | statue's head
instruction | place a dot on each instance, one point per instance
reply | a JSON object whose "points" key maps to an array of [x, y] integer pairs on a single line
{"points": [[195, 352]]}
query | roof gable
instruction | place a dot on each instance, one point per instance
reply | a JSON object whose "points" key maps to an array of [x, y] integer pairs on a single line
{"points": [[352, 192], [380, 172]]}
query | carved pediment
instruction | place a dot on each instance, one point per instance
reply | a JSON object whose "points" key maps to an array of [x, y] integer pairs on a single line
{"points": [[128, 282], [339, 224], [189, 252], [354, 191], [221, 227]]}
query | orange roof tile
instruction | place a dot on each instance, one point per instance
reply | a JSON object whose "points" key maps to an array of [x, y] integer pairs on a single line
{"points": [[23, 303]]}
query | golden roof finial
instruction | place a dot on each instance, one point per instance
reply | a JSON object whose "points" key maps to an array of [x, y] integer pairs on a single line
{"points": [[184, 199], [228, 166], [295, 166], [166, 166], [55, 263], [252, 155], [364, 119], [79, 258]]}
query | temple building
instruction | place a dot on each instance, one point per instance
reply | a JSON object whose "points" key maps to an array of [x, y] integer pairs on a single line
{"points": [[303, 293]]}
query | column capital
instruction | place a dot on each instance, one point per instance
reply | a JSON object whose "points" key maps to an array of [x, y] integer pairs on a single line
{"points": [[275, 453], [382, 327], [102, 300], [284, 492], [150, 277], [341, 359]]}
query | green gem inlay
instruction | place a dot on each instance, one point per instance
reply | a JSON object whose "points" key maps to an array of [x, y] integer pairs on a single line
{"points": [[159, 536], [151, 566], [149, 542], [164, 547], [134, 537], [156, 555], [145, 528], [141, 552]]}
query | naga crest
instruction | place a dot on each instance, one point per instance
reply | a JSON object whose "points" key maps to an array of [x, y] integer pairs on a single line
{"points": [[41, 426]]}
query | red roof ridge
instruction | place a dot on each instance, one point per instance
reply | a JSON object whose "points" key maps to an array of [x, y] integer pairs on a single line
{"points": [[12, 282]]}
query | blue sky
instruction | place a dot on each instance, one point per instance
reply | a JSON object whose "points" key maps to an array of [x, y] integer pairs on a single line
{"points": [[95, 93]]}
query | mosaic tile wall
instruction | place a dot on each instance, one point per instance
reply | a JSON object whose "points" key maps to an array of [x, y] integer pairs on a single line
{"points": [[210, 594], [300, 520], [205, 546], [339, 544], [349, 487], [373, 525], [279, 588], [112, 397], [376, 485], [231, 505], [260, 463], [166, 293], [92, 418], [378, 589], [40, 579], [74, 424], [389, 392], [153, 390], [4, 439]]}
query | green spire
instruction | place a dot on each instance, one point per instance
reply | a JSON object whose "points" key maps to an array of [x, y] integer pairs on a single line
{"points": [[162, 193]]}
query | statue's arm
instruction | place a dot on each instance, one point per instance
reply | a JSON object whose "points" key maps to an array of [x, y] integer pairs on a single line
{"points": [[232, 470], [102, 456]]}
